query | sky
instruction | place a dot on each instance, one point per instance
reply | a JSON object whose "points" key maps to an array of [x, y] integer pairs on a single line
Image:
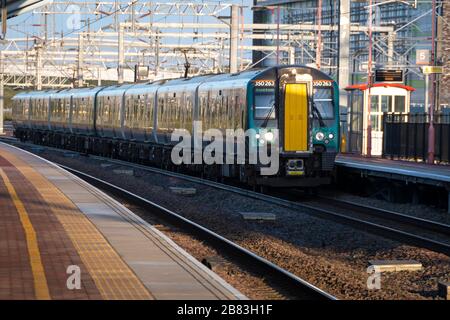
{"points": [[31, 24]]}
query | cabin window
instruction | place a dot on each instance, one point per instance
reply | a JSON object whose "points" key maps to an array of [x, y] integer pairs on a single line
{"points": [[264, 104], [323, 100]]}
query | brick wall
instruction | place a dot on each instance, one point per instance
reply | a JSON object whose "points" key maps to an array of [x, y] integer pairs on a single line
{"points": [[445, 82]]}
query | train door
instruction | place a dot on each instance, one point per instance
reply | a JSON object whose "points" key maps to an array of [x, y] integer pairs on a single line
{"points": [[70, 115], [296, 122], [29, 110]]}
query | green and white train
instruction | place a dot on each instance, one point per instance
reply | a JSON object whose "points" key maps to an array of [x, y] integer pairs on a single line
{"points": [[135, 122]]}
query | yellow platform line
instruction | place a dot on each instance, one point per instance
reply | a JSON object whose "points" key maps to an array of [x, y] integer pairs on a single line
{"points": [[40, 280], [113, 277]]}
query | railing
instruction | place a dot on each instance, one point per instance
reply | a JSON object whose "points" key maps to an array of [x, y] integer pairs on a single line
{"points": [[406, 136]]}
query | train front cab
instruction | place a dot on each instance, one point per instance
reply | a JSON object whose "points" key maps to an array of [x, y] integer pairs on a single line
{"points": [[307, 119]]}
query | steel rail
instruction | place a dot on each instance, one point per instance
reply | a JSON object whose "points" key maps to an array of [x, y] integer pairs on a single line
{"points": [[295, 285], [375, 228], [392, 215]]}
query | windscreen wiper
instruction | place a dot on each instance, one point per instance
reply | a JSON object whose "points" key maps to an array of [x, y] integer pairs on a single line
{"points": [[266, 120], [319, 116]]}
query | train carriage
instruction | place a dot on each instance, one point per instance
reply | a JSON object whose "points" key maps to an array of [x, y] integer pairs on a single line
{"points": [[40, 110], [60, 111], [139, 115], [110, 111], [21, 110], [223, 103], [176, 106], [82, 121]]}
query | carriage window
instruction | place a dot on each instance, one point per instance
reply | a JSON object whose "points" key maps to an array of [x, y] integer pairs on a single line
{"points": [[264, 107], [323, 99]]}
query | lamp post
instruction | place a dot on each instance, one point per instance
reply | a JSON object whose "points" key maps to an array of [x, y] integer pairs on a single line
{"points": [[319, 35]]}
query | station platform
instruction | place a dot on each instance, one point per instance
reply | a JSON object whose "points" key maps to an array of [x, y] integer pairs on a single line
{"points": [[408, 171], [399, 170], [61, 238]]}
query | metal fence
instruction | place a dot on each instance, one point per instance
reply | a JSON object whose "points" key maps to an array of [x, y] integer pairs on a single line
{"points": [[406, 136]]}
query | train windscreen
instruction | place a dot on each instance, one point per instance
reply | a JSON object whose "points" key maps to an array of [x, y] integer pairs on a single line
{"points": [[323, 100], [265, 103]]}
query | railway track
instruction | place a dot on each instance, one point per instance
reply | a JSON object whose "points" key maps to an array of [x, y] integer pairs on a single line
{"points": [[413, 235], [292, 284], [419, 232], [423, 224], [392, 226]]}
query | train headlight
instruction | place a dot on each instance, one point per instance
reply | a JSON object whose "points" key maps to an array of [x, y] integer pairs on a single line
{"points": [[262, 142], [331, 136], [268, 136], [320, 136], [257, 136]]}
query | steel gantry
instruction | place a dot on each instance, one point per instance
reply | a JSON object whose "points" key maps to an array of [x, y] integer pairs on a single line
{"points": [[109, 39]]}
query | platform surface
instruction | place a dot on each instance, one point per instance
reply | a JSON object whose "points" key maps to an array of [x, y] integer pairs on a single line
{"points": [[56, 232], [400, 168]]}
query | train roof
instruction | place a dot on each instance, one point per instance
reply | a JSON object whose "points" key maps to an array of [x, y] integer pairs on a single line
{"points": [[61, 93], [218, 80], [58, 93], [245, 75], [237, 80], [85, 92], [143, 88], [184, 83], [116, 90], [21, 95], [34, 94]]}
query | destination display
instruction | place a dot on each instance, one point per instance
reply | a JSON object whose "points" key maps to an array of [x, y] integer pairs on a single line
{"points": [[384, 75]]}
